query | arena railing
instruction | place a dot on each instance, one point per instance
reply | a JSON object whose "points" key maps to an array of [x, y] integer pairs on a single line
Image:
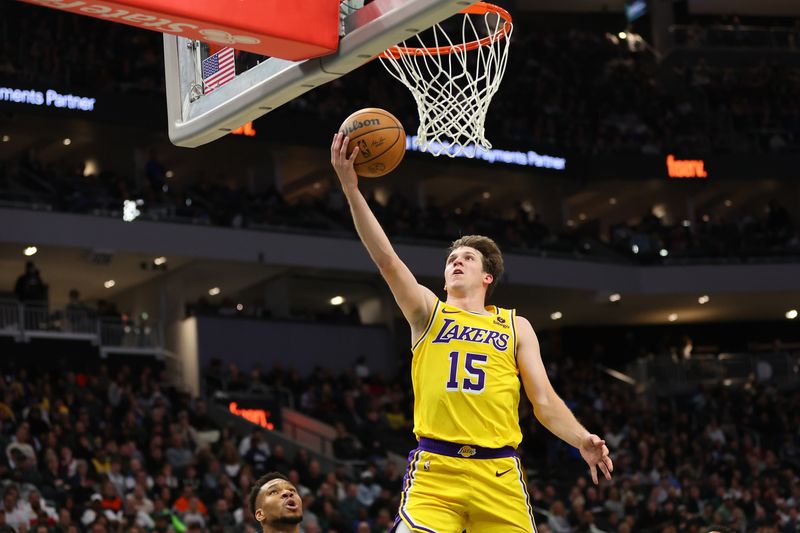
{"points": [[668, 375], [736, 36], [35, 320]]}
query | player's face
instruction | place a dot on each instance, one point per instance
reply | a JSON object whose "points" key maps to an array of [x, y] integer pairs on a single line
{"points": [[464, 269], [280, 503]]}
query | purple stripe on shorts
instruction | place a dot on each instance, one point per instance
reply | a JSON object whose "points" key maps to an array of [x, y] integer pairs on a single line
{"points": [[408, 482], [525, 491]]}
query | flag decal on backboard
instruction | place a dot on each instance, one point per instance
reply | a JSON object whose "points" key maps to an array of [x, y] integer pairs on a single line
{"points": [[218, 69]]}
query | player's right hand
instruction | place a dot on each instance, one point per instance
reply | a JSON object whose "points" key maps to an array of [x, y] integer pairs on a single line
{"points": [[342, 164], [595, 452]]}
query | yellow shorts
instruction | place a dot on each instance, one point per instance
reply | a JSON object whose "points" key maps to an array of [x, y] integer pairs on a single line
{"points": [[464, 487]]}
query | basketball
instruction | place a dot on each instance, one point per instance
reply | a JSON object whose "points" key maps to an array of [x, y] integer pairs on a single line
{"points": [[380, 139]]}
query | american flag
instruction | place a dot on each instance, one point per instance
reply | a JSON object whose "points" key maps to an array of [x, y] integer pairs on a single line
{"points": [[218, 69]]}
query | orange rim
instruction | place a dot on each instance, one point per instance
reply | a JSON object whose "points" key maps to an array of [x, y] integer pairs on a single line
{"points": [[479, 8]]}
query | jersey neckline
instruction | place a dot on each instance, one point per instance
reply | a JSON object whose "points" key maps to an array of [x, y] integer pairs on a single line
{"points": [[493, 309]]}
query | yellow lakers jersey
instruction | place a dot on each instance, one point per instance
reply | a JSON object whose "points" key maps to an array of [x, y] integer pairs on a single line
{"points": [[465, 377]]}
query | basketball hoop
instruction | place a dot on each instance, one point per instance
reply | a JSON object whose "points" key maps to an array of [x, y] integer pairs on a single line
{"points": [[453, 81]]}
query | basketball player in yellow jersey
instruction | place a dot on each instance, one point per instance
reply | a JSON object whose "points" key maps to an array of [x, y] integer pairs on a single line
{"points": [[467, 360]]}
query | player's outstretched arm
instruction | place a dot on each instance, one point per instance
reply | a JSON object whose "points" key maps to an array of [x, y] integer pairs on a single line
{"points": [[415, 301], [550, 409]]}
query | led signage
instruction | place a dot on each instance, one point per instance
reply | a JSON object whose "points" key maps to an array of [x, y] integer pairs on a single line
{"points": [[49, 98], [686, 168], [256, 416], [526, 159]]}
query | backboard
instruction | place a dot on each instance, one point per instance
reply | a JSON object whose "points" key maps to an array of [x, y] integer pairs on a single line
{"points": [[196, 118]]}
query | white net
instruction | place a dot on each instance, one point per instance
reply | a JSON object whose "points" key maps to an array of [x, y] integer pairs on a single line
{"points": [[452, 81]]}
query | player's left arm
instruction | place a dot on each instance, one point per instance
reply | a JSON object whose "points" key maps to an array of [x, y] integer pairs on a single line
{"points": [[550, 409]]}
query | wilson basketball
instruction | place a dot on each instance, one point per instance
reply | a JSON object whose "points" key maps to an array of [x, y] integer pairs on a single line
{"points": [[380, 139]]}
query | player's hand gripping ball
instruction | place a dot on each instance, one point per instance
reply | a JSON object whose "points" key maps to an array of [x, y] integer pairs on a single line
{"points": [[380, 139]]}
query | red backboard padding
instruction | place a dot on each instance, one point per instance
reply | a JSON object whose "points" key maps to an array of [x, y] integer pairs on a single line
{"points": [[288, 29]]}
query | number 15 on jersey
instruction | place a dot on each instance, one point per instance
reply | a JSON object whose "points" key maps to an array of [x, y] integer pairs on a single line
{"points": [[475, 381]]}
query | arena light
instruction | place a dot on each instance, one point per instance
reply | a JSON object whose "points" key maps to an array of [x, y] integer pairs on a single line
{"points": [[6, 138], [109, 283], [672, 317], [337, 300], [615, 297], [67, 141], [90, 167], [704, 299], [556, 316], [213, 291], [791, 314], [663, 252], [239, 307], [30, 251], [612, 201], [622, 35], [130, 211], [158, 261], [169, 174], [635, 248]]}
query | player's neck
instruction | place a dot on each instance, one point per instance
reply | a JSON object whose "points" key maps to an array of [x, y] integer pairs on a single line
{"points": [[282, 528], [474, 303]]}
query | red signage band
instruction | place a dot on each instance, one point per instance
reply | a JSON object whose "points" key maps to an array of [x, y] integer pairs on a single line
{"points": [[256, 416], [247, 130], [300, 29], [686, 168]]}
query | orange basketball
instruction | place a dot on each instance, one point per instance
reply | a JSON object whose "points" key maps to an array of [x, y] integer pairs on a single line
{"points": [[380, 139]]}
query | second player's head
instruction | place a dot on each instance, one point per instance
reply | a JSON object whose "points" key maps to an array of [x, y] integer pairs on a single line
{"points": [[473, 261], [274, 501]]}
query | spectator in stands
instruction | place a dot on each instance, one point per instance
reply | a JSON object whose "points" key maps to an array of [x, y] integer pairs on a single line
{"points": [[345, 446], [16, 512], [178, 454], [29, 287]]}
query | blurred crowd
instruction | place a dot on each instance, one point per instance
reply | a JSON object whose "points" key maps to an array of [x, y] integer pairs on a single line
{"points": [[725, 455], [41, 46], [584, 90], [770, 232], [120, 450]]}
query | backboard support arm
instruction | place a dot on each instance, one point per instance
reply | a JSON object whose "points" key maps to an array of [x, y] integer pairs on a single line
{"points": [[369, 31]]}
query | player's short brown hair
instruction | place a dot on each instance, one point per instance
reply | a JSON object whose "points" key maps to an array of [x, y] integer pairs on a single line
{"points": [[491, 257]]}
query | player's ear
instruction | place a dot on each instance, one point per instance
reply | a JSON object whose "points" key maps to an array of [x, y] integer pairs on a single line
{"points": [[488, 278]]}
